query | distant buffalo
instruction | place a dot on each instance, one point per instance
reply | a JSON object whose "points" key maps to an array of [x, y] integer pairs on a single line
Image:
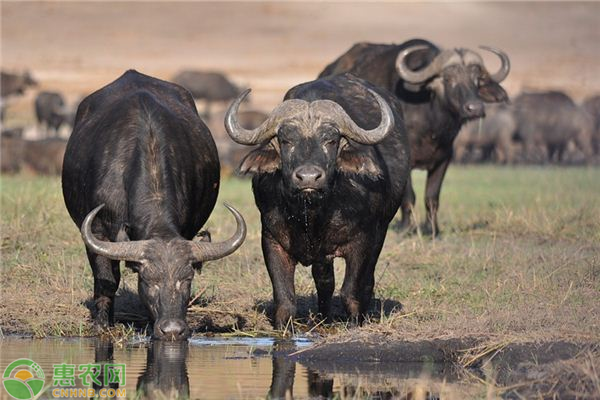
{"points": [[51, 112], [549, 121], [592, 106], [208, 86], [12, 84], [43, 157], [12, 148], [489, 137], [438, 90]]}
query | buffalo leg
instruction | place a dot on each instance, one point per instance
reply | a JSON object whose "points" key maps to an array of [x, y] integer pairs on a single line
{"points": [[435, 177], [359, 279], [408, 202], [281, 270], [325, 282], [106, 282]]}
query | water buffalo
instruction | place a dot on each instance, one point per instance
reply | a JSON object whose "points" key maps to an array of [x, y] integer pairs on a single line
{"points": [[51, 111], [15, 83], [592, 106], [550, 120], [45, 156], [490, 135], [329, 175], [439, 90], [140, 178], [208, 86], [12, 148]]}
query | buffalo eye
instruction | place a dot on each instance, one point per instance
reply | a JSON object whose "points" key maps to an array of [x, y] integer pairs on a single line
{"points": [[481, 81], [450, 80]]}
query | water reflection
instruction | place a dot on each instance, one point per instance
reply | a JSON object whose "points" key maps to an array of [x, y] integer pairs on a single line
{"points": [[165, 375], [104, 354], [237, 368], [166, 372]]}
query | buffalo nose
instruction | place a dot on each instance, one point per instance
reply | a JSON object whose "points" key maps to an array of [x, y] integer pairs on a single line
{"points": [[171, 329], [309, 176], [474, 109]]}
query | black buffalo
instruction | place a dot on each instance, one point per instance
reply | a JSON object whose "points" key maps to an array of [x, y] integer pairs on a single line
{"points": [[140, 178], [328, 178], [548, 121], [12, 149], [592, 106], [11, 84], [439, 90], [490, 136], [51, 111], [207, 85]]}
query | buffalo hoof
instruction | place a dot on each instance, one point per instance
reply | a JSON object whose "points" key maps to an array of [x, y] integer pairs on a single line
{"points": [[405, 228], [284, 318], [320, 320], [427, 230], [101, 326]]}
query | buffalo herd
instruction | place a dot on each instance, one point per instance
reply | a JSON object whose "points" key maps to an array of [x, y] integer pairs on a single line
{"points": [[330, 165]]}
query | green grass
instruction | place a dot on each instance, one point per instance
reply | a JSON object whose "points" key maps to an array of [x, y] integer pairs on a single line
{"points": [[519, 255]]}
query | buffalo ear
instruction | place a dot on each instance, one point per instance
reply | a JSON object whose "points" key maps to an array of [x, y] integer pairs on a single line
{"points": [[353, 161], [265, 159], [491, 92]]}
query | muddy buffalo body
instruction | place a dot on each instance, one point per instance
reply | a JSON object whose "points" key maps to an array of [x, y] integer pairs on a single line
{"points": [[329, 175], [547, 122], [439, 90], [140, 178]]}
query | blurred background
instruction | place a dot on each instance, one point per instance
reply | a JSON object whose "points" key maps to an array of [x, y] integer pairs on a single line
{"points": [[74, 48]]}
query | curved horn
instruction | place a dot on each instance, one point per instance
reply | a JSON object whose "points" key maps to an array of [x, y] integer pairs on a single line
{"points": [[235, 130], [267, 129], [352, 131], [504, 68], [127, 251], [421, 76], [205, 251]]}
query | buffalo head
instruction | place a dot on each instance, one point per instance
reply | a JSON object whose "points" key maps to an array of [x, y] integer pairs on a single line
{"points": [[165, 269], [458, 77], [309, 142]]}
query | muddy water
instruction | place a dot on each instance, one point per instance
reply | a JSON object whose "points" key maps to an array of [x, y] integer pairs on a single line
{"points": [[226, 369]]}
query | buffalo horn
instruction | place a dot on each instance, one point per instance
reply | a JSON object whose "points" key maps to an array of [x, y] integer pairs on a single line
{"points": [[504, 68], [350, 129], [126, 251], [206, 251], [420, 76]]}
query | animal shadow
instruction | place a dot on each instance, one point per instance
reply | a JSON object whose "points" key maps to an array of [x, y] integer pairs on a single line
{"points": [[129, 309], [307, 308]]}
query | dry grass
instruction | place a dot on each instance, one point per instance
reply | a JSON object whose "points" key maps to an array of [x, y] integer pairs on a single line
{"points": [[519, 257]]}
